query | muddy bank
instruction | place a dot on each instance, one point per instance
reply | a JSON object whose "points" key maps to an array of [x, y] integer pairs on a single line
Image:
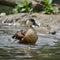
{"points": [[46, 22]]}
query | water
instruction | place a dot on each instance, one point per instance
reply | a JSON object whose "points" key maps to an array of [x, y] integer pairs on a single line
{"points": [[47, 46]]}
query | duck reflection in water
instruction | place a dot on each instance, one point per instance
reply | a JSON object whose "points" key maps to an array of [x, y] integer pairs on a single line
{"points": [[26, 37]]}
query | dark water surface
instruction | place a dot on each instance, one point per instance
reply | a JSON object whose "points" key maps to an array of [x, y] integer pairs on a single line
{"points": [[46, 48]]}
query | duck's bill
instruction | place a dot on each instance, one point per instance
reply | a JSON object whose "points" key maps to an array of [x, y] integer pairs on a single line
{"points": [[35, 24]]}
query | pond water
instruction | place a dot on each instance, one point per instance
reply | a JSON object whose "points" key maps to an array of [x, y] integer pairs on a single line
{"points": [[47, 46]]}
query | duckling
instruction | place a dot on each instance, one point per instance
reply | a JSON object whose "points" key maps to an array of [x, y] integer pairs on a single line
{"points": [[53, 32], [29, 36]]}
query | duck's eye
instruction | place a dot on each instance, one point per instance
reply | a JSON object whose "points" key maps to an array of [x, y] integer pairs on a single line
{"points": [[35, 24]]}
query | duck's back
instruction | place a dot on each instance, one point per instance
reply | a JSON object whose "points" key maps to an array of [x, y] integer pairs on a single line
{"points": [[30, 37]]}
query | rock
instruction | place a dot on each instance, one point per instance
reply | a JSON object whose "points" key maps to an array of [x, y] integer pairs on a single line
{"points": [[56, 8], [37, 5], [2, 14]]}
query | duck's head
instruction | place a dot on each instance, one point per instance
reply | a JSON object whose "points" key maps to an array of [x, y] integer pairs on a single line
{"points": [[31, 22]]}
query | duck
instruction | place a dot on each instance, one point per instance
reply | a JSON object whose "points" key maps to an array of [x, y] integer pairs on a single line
{"points": [[52, 32], [26, 37]]}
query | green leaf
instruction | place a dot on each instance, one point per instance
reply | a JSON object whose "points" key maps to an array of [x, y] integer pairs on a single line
{"points": [[23, 10], [21, 5], [50, 1], [24, 3], [47, 2], [15, 11], [28, 9]]}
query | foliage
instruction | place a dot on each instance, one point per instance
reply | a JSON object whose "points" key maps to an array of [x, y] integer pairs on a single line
{"points": [[49, 7], [23, 7]]}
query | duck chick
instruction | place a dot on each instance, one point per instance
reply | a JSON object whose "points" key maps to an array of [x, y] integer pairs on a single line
{"points": [[29, 36], [53, 32]]}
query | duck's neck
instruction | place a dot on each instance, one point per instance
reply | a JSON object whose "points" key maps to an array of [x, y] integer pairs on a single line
{"points": [[32, 28]]}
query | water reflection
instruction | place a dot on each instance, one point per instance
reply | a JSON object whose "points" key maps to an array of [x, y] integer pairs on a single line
{"points": [[46, 48]]}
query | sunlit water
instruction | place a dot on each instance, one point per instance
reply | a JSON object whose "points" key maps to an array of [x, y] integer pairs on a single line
{"points": [[47, 46]]}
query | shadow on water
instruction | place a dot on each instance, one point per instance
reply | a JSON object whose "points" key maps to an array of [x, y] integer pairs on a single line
{"points": [[46, 48]]}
